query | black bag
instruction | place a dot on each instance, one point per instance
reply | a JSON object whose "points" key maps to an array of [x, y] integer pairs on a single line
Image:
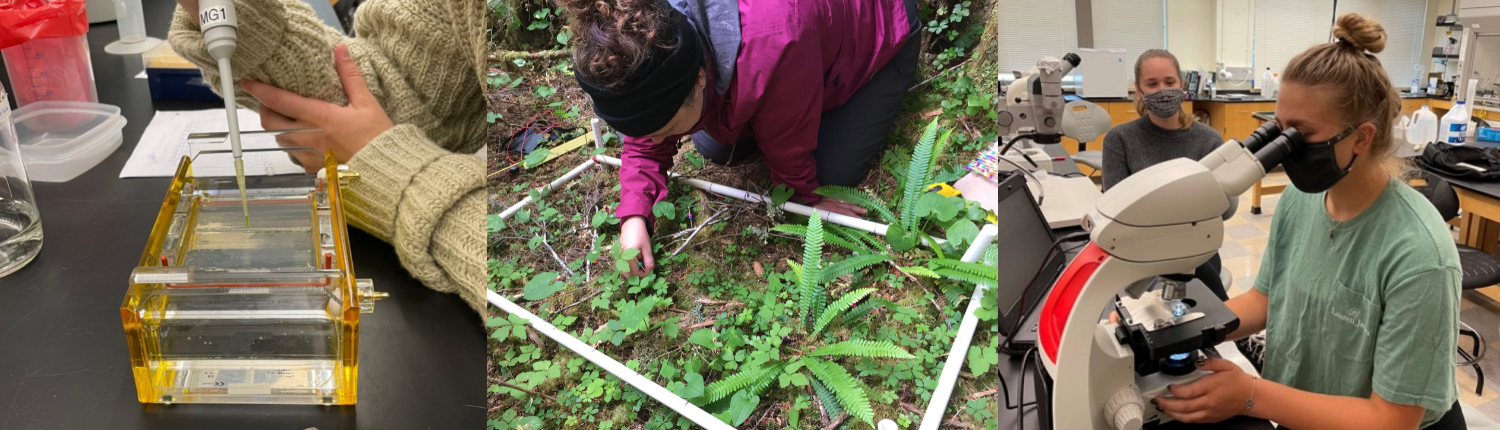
{"points": [[1444, 159]]}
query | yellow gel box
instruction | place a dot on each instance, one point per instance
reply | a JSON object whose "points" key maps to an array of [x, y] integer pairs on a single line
{"points": [[218, 312]]}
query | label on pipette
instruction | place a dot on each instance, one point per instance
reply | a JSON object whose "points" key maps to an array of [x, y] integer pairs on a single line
{"points": [[214, 15]]}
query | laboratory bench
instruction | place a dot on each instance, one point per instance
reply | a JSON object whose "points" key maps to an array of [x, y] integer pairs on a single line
{"points": [[64, 362]]}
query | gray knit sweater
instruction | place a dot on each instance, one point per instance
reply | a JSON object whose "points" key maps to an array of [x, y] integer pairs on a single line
{"points": [[419, 187], [1136, 145]]}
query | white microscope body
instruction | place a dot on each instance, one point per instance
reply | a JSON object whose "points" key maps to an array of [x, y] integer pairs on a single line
{"points": [[1164, 221]]}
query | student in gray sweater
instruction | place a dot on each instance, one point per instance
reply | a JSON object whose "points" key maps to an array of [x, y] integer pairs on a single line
{"points": [[1164, 132]]}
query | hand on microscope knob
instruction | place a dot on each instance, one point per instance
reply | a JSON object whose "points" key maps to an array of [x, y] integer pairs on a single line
{"points": [[1213, 398], [346, 129]]}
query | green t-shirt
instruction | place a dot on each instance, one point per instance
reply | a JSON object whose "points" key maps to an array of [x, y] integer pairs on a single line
{"points": [[1369, 303]]}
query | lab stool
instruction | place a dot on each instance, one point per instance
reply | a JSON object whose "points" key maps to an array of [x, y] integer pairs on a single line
{"points": [[1093, 159], [1480, 269]]}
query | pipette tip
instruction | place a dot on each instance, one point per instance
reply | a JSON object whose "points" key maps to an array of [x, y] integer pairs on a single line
{"points": [[239, 173]]}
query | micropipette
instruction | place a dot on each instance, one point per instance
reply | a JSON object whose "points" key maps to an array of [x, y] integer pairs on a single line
{"points": [[220, 28]]}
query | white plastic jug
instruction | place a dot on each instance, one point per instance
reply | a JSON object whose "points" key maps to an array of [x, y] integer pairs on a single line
{"points": [[1423, 128], [1455, 125]]}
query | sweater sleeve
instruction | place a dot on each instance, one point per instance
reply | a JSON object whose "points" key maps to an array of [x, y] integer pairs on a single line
{"points": [[429, 204], [282, 43], [1116, 168], [413, 193]]}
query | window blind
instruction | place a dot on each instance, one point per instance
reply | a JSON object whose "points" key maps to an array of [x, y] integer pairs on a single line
{"points": [[1031, 30], [1133, 25], [1285, 28], [1404, 22]]}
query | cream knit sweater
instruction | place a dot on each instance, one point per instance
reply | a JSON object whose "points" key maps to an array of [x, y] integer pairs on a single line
{"points": [[420, 187]]}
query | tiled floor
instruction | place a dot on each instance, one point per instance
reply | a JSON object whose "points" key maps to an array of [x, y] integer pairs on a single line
{"points": [[1246, 240]]}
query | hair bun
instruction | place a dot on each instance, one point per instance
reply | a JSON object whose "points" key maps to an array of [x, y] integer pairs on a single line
{"points": [[1360, 32]]}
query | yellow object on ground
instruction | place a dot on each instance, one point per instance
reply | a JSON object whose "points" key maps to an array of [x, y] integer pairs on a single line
{"points": [[943, 189]]}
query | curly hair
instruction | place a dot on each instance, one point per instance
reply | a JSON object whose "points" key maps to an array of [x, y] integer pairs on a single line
{"points": [[613, 37]]}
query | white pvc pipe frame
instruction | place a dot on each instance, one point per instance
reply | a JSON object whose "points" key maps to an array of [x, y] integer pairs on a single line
{"points": [[566, 177], [949, 376], [946, 379], [796, 208], [930, 419]]}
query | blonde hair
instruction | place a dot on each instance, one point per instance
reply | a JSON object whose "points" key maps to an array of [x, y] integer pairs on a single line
{"points": [[1184, 118], [1352, 78]]}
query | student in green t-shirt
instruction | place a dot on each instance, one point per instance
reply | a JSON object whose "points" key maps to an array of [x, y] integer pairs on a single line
{"points": [[1358, 290]]}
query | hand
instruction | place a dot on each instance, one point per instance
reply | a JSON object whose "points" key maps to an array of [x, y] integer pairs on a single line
{"points": [[633, 234], [1213, 398], [346, 129], [830, 204]]}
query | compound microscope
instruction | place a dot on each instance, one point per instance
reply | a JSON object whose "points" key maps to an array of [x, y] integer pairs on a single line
{"points": [[1147, 236]]}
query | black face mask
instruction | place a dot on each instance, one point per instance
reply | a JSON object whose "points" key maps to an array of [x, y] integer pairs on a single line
{"points": [[1313, 166]]}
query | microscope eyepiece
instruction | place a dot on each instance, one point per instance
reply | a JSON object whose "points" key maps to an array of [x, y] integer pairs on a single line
{"points": [[1072, 58]]}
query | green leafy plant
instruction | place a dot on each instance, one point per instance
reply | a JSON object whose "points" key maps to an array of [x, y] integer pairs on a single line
{"points": [[977, 273], [544, 285], [624, 257], [541, 20], [510, 421], [537, 156], [811, 298]]}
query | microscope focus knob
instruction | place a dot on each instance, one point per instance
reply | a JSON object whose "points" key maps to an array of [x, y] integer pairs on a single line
{"points": [[1124, 409]]}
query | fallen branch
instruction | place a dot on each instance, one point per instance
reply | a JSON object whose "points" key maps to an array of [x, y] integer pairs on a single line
{"points": [[697, 229], [981, 394], [924, 287], [503, 56], [919, 85], [909, 408], [951, 422], [823, 413], [585, 299], [956, 423], [701, 325], [842, 417], [555, 257], [495, 380]]}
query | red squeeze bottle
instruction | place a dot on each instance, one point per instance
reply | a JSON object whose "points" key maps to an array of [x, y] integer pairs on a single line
{"points": [[46, 51]]}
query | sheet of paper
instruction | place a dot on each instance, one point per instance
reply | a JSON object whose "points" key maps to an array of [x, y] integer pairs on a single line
{"points": [[165, 142]]}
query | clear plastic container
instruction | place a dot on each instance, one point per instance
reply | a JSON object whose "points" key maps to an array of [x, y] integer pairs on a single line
{"points": [[51, 69], [61, 140]]}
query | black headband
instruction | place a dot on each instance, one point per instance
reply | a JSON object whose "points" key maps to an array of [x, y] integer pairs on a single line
{"points": [[653, 92]]}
